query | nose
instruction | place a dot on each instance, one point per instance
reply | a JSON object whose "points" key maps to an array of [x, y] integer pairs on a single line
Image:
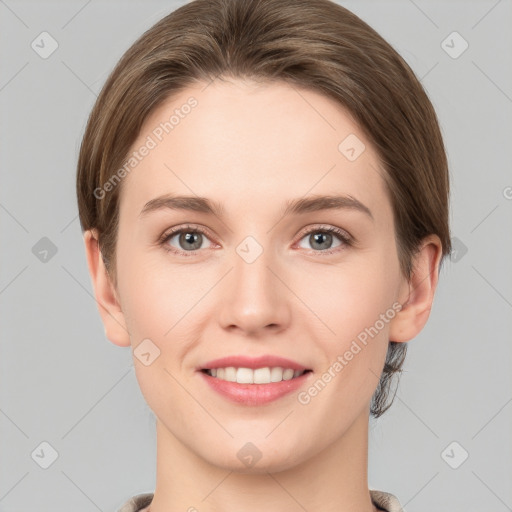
{"points": [[254, 298]]}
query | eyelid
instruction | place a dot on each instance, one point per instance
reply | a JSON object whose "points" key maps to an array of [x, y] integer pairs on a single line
{"points": [[185, 227], [326, 228]]}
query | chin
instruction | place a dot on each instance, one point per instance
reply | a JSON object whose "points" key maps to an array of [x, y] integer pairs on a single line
{"points": [[248, 457]]}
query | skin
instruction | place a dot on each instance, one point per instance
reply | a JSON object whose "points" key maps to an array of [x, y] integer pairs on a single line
{"points": [[251, 147]]}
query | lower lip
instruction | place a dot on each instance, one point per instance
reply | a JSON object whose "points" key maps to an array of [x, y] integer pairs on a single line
{"points": [[254, 394]]}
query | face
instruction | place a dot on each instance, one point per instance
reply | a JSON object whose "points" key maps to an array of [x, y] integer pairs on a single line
{"points": [[256, 278]]}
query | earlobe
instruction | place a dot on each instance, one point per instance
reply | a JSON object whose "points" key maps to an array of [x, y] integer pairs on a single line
{"points": [[104, 291], [420, 291]]}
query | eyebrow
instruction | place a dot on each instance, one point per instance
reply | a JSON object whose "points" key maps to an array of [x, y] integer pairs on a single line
{"points": [[295, 206]]}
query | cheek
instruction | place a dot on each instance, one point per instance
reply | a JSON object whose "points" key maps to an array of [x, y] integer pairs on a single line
{"points": [[161, 304], [346, 298], [154, 295], [164, 303]]}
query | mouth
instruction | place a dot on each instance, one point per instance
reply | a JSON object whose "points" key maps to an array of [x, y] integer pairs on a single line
{"points": [[254, 386], [265, 375], [254, 381]]}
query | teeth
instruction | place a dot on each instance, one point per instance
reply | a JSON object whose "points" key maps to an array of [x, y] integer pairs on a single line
{"points": [[259, 376]]}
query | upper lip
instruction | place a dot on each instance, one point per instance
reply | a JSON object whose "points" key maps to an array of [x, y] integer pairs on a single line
{"points": [[253, 362]]}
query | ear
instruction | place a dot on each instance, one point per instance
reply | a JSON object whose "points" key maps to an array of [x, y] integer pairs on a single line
{"points": [[106, 297], [417, 295]]}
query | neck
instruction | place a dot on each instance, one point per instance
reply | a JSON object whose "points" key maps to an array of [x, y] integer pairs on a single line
{"points": [[332, 480]]}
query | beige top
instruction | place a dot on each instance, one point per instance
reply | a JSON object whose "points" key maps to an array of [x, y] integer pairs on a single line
{"points": [[382, 500]]}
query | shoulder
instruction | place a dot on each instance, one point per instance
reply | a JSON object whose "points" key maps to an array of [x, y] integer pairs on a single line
{"points": [[137, 503], [385, 501]]}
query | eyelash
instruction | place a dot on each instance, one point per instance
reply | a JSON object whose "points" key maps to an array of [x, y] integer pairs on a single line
{"points": [[342, 235]]}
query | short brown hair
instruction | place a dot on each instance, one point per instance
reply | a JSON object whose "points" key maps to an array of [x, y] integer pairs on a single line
{"points": [[313, 44]]}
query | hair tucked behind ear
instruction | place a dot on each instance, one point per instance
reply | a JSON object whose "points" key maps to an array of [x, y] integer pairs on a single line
{"points": [[393, 366]]}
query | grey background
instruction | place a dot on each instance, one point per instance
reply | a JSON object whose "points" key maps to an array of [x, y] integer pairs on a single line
{"points": [[64, 383]]}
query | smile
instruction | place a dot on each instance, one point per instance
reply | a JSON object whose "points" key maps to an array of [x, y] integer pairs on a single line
{"points": [[254, 393]]}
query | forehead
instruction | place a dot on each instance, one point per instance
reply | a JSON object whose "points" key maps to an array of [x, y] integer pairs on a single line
{"points": [[252, 145]]}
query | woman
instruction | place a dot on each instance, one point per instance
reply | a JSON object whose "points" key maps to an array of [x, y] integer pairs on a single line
{"points": [[263, 190]]}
